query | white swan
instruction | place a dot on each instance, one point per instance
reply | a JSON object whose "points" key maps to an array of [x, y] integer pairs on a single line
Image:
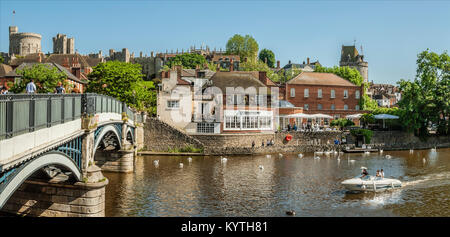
{"points": [[381, 150], [190, 159], [316, 158], [223, 160], [300, 155], [261, 167], [268, 156], [280, 155], [388, 156], [181, 165], [411, 151], [156, 162]]}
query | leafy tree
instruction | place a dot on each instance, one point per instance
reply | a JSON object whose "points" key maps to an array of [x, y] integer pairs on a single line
{"points": [[365, 132], [268, 55], [367, 103], [426, 99], [187, 60], [124, 82], [244, 46], [347, 73], [342, 122], [2, 60], [46, 78], [259, 66]]}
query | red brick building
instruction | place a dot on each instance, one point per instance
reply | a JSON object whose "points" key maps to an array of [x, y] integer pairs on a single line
{"points": [[324, 93]]}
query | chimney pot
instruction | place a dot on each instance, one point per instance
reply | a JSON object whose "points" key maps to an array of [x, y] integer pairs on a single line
{"points": [[278, 64], [307, 60]]}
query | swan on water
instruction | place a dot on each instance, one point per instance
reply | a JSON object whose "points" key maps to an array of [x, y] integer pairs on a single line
{"points": [[261, 167], [300, 155], [381, 150], [181, 165], [156, 162], [388, 156], [268, 156], [280, 155], [223, 160], [411, 151], [190, 159]]}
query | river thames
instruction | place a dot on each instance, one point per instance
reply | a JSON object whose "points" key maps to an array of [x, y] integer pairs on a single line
{"points": [[265, 187]]}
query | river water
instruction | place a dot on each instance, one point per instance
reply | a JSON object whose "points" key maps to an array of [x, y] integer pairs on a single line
{"points": [[311, 187]]}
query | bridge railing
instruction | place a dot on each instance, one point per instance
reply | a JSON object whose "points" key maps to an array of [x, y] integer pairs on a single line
{"points": [[23, 113]]}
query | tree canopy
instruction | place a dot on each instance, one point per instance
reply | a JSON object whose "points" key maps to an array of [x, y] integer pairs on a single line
{"points": [[124, 82], [259, 66], [267, 54], [244, 46], [347, 73], [426, 99], [46, 78], [187, 60]]}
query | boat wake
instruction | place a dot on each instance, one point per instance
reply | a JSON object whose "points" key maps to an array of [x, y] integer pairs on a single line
{"points": [[434, 179]]}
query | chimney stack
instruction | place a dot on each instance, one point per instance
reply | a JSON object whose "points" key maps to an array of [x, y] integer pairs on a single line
{"points": [[307, 60], [278, 64], [231, 64], [262, 77], [289, 61], [178, 68]]}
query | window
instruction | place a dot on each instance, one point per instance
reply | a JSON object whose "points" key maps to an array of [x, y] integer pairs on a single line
{"points": [[357, 107], [345, 94], [319, 93], [173, 104], [345, 107], [306, 107], [333, 94], [306, 93], [332, 107], [357, 94], [319, 106], [292, 92], [205, 127]]}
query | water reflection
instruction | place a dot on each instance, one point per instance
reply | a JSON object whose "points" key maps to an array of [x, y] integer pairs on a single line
{"points": [[239, 187]]}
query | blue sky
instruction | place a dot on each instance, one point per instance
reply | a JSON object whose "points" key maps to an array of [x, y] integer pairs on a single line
{"points": [[392, 33]]}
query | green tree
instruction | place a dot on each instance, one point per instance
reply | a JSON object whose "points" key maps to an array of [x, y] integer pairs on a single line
{"points": [[2, 60], [259, 66], [187, 60], [123, 81], [46, 78], [426, 99], [347, 73], [244, 46], [267, 54]]}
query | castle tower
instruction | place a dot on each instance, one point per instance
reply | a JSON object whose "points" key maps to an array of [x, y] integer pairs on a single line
{"points": [[350, 57], [23, 43], [63, 45]]}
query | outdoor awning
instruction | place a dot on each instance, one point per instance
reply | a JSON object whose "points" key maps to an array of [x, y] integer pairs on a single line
{"points": [[354, 116], [321, 116], [385, 116], [299, 115]]}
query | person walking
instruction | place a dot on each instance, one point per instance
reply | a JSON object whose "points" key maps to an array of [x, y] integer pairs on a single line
{"points": [[31, 87], [60, 89]]}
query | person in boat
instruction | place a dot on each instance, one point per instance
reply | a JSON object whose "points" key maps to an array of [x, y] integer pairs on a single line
{"points": [[378, 173], [364, 173], [382, 174]]}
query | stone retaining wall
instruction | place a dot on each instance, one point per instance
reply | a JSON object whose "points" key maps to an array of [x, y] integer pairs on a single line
{"points": [[393, 140], [242, 143], [160, 136], [41, 198]]}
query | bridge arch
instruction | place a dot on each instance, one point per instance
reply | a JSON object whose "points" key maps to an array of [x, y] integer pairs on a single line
{"points": [[130, 134], [27, 169], [105, 130]]}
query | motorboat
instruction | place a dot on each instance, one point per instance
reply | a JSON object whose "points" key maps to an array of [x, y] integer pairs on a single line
{"points": [[371, 184]]}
